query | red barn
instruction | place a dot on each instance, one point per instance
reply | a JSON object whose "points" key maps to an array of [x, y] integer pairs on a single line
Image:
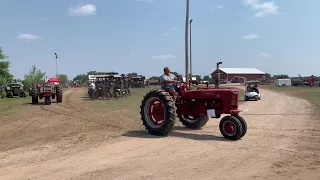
{"points": [[237, 74]]}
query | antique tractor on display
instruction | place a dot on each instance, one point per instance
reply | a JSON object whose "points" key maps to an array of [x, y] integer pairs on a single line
{"points": [[15, 89], [194, 107], [52, 89]]}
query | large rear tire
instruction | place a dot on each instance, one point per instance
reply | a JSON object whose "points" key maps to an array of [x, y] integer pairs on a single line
{"points": [[194, 122], [158, 112], [59, 94], [231, 128], [34, 94]]}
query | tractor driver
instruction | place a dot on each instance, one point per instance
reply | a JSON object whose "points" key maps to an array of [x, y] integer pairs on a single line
{"points": [[168, 81]]}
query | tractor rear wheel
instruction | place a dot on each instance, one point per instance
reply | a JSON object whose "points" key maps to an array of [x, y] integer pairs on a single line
{"points": [[158, 112], [243, 123], [34, 94], [116, 95], [231, 128], [59, 94], [194, 122]]}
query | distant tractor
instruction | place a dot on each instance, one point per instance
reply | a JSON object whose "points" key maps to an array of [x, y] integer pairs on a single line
{"points": [[138, 81], [52, 89], [15, 89]]}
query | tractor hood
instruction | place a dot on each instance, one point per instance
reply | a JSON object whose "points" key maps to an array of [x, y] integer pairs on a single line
{"points": [[210, 93]]}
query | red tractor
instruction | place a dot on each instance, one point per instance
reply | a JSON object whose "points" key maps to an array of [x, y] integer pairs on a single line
{"points": [[193, 107], [49, 90]]}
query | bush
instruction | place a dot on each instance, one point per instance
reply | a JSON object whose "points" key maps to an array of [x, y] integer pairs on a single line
{"points": [[3, 95]]}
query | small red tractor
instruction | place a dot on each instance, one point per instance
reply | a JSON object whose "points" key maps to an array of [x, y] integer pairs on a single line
{"points": [[49, 90], [193, 107]]}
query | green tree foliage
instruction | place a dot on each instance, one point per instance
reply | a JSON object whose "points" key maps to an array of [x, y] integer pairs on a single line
{"points": [[133, 74], [281, 76], [5, 74], [63, 78], [155, 78], [102, 73], [268, 76], [34, 76], [82, 78], [206, 78]]}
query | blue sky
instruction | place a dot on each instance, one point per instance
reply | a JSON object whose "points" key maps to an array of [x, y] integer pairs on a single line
{"points": [[145, 36]]}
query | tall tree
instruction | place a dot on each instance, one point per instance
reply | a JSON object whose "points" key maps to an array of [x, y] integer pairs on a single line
{"points": [[63, 78], [5, 74], [154, 78], [33, 77], [281, 76], [206, 78], [82, 78], [133, 74]]}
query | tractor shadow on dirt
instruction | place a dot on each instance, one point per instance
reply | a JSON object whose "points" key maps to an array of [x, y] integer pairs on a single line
{"points": [[292, 114], [174, 133], [39, 104]]}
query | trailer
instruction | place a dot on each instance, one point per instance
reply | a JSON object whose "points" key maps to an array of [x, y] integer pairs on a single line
{"points": [[283, 82]]}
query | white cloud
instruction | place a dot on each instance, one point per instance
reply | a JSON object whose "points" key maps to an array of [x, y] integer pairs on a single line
{"points": [[27, 37], [83, 10], [263, 8], [163, 57], [170, 31], [146, 1], [250, 37], [219, 6], [263, 54]]}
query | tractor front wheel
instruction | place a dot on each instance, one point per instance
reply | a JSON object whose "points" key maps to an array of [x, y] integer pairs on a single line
{"points": [[9, 94], [47, 100], [243, 123], [194, 122], [158, 112], [231, 128], [23, 94]]}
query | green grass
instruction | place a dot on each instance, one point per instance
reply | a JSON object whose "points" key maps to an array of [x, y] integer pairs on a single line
{"points": [[133, 101], [311, 94], [11, 105]]}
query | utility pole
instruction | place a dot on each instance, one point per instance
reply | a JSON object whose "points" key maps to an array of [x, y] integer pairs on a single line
{"points": [[56, 54], [190, 49], [186, 41]]}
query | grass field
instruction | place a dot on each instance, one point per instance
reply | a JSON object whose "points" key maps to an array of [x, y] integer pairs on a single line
{"points": [[133, 101], [11, 105], [311, 94]]}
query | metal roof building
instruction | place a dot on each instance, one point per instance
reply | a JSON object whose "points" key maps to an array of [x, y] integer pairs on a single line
{"points": [[230, 74], [241, 71]]}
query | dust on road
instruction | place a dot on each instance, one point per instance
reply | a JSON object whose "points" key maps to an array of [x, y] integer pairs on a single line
{"points": [[75, 140]]}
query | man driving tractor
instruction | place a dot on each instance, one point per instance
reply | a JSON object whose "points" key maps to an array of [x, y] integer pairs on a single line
{"points": [[168, 81]]}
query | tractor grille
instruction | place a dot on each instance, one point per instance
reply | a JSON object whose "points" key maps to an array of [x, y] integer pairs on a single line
{"points": [[16, 90], [47, 88]]}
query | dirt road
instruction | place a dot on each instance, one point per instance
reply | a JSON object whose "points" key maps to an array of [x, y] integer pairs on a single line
{"points": [[72, 141]]}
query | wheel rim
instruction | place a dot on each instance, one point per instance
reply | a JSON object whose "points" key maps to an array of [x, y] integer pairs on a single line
{"points": [[229, 128], [154, 112]]}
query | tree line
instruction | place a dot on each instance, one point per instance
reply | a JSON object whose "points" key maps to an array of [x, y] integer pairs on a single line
{"points": [[34, 75]]}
